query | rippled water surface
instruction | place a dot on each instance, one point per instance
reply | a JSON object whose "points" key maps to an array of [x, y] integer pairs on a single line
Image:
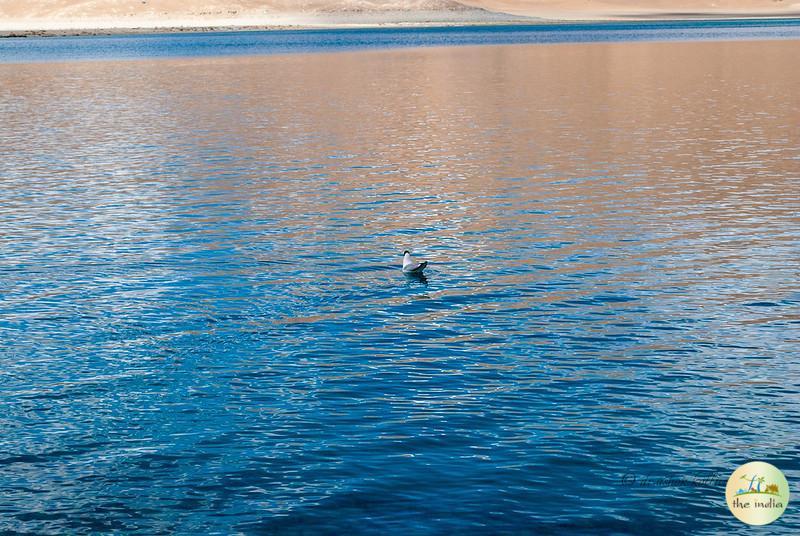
{"points": [[205, 328]]}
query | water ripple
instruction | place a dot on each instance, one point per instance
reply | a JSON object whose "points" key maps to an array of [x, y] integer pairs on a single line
{"points": [[205, 328]]}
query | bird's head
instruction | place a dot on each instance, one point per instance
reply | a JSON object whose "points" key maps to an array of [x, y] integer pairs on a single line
{"points": [[406, 252]]}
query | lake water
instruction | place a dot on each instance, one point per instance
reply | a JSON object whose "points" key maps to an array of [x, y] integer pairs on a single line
{"points": [[15, 50], [205, 328]]}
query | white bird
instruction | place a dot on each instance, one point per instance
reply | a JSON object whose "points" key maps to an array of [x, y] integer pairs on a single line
{"points": [[410, 266]]}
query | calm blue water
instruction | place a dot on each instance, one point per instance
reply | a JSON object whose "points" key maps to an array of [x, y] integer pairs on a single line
{"points": [[205, 328], [294, 41]]}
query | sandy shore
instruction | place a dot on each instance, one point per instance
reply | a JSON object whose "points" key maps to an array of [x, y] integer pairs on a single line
{"points": [[60, 26], [22, 18], [641, 9]]}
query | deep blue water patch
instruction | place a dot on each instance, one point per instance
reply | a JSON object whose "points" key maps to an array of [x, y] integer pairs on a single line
{"points": [[30, 49]]}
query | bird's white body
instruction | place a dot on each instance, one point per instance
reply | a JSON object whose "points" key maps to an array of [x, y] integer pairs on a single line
{"points": [[412, 266]]}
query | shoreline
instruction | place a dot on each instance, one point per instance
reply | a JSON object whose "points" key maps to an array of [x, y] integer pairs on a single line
{"points": [[466, 13], [91, 31]]}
